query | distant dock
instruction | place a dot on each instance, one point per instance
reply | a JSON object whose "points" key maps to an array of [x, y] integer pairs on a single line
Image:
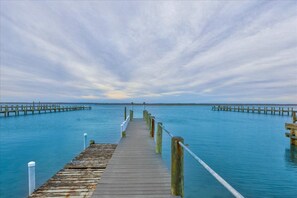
{"points": [[258, 109], [17, 110], [79, 177]]}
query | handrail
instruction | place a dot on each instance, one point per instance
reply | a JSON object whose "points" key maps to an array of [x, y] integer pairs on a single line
{"points": [[168, 132], [210, 170], [124, 126]]}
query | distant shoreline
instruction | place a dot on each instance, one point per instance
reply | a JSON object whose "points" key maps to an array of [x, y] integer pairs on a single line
{"points": [[155, 104]]}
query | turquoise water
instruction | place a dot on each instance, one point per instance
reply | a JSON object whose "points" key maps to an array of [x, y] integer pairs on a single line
{"points": [[249, 151]]}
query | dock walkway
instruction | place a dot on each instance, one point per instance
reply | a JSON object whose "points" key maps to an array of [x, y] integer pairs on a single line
{"points": [[135, 170], [79, 177]]}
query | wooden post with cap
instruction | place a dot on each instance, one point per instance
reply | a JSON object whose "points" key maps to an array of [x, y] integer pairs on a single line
{"points": [[152, 126], [177, 167], [159, 138]]}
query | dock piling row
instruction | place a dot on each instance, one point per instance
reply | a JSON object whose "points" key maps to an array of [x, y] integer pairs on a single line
{"points": [[6, 110], [259, 110]]}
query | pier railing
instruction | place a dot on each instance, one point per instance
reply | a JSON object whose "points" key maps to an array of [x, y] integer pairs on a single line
{"points": [[124, 126], [255, 109], [7, 110], [177, 158]]}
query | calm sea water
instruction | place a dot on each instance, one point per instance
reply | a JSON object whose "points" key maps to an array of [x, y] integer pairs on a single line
{"points": [[249, 151]]}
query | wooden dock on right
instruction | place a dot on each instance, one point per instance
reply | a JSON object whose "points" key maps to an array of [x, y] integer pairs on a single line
{"points": [[273, 110], [135, 170]]}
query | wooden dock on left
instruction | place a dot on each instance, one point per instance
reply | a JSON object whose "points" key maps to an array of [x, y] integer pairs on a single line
{"points": [[17, 110], [79, 177]]}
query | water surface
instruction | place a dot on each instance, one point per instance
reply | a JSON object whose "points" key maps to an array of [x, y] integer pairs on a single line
{"points": [[248, 150]]}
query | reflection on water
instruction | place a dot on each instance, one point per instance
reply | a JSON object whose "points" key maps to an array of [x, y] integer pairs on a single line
{"points": [[291, 155]]}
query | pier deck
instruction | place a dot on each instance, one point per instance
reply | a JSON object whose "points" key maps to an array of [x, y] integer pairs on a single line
{"points": [[135, 170], [79, 177], [17, 110]]}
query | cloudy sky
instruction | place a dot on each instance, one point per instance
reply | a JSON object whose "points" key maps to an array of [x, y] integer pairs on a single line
{"points": [[203, 51]]}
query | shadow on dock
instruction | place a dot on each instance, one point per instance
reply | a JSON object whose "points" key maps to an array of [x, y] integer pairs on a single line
{"points": [[79, 177]]}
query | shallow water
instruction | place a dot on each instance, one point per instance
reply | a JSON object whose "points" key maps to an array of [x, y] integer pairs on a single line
{"points": [[248, 150]]}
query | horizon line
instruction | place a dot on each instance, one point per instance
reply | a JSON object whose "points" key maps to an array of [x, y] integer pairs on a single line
{"points": [[152, 103]]}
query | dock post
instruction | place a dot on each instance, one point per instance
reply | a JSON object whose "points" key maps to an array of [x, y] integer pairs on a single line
{"points": [[149, 121], [153, 127], [288, 111], [131, 115], [125, 113], [85, 140], [273, 110], [143, 114], [147, 118], [282, 110], [31, 174], [159, 138], [177, 167], [6, 111], [294, 116]]}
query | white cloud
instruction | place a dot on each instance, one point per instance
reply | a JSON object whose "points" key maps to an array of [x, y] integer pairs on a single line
{"points": [[156, 51]]}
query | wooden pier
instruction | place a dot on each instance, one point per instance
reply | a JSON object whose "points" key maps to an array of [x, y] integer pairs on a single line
{"points": [[252, 109], [135, 170], [17, 110], [293, 130], [79, 177]]}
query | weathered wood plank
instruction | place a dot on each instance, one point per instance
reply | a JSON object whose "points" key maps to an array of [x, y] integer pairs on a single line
{"points": [[79, 177], [291, 126], [135, 170]]}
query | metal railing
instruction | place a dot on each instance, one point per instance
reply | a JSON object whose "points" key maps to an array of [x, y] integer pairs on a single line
{"points": [[124, 126], [177, 158]]}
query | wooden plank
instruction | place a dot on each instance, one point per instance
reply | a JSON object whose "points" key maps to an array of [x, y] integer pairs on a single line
{"points": [[135, 170], [79, 177], [291, 126]]}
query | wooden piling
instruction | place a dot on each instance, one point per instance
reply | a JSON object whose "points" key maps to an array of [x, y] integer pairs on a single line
{"points": [[131, 115], [159, 138], [6, 114], [153, 127], [293, 130], [125, 113], [149, 121], [282, 110], [177, 167]]}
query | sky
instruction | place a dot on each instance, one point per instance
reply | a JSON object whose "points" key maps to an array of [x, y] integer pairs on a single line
{"points": [[158, 51]]}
